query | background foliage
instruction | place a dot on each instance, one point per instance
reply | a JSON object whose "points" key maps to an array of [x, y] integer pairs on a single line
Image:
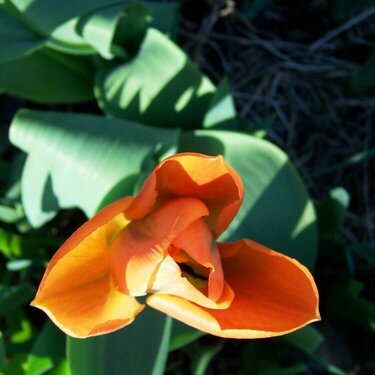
{"points": [[94, 93]]}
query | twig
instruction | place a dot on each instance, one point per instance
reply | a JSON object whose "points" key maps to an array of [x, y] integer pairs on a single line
{"points": [[345, 26]]}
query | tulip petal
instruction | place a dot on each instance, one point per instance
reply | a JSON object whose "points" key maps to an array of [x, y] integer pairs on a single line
{"points": [[274, 295], [207, 178], [169, 280], [77, 291], [196, 240], [142, 245]]}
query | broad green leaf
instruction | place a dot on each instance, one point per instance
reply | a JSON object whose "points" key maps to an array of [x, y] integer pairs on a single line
{"points": [[47, 77], [222, 111], [48, 351], [100, 20], [16, 39], [98, 29], [81, 160], [62, 25], [66, 39], [331, 211], [165, 16], [277, 210], [50, 14], [137, 17], [113, 30], [138, 349], [39, 201], [173, 93], [183, 335], [12, 297]]}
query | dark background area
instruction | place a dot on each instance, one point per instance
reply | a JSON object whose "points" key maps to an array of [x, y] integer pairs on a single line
{"points": [[305, 70]]}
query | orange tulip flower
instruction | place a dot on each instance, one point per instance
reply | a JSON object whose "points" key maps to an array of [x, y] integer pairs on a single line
{"points": [[162, 242]]}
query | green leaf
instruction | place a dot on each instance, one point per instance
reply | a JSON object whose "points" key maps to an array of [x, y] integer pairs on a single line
{"points": [[10, 212], [277, 210], [183, 335], [47, 77], [12, 297], [16, 39], [222, 111], [20, 250], [19, 329], [112, 29], [307, 339], [16, 366], [131, 29], [2, 350], [331, 211], [204, 357], [171, 94], [262, 359], [344, 302], [360, 157], [84, 161], [18, 265], [165, 16], [47, 352], [138, 349], [48, 15], [66, 39]]}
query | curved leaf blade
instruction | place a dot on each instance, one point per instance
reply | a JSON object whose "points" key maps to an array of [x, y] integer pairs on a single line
{"points": [[171, 94], [15, 39], [82, 160], [138, 349], [47, 77]]}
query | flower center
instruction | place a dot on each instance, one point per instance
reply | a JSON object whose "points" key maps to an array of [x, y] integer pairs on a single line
{"points": [[197, 277], [195, 273]]}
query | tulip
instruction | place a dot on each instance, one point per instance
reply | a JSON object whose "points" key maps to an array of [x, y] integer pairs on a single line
{"points": [[162, 243]]}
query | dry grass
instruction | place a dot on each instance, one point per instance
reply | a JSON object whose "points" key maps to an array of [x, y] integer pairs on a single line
{"points": [[298, 77]]}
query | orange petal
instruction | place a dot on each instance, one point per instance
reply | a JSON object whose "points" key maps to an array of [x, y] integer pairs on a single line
{"points": [[196, 240], [142, 245], [208, 178], [77, 290], [168, 280], [274, 295]]}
